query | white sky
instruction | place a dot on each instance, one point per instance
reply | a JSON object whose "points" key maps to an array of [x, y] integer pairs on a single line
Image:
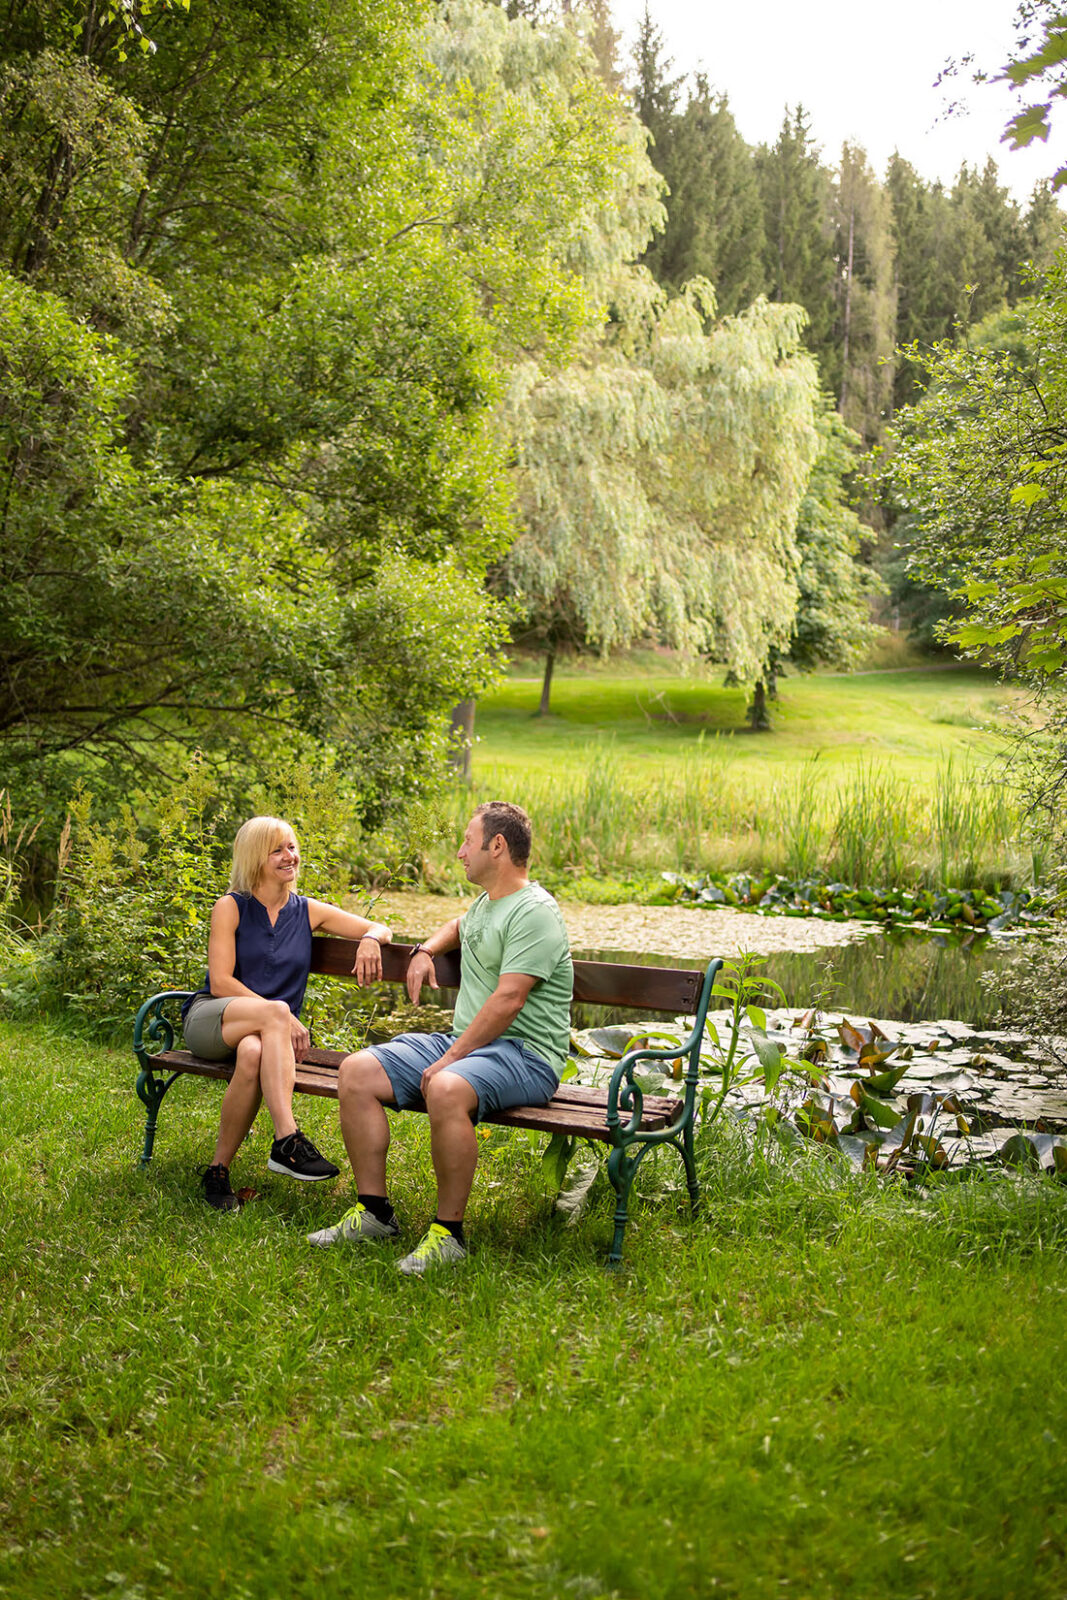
{"points": [[863, 72]]}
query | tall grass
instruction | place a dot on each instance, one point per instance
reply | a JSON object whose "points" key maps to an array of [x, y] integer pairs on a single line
{"points": [[866, 826]]}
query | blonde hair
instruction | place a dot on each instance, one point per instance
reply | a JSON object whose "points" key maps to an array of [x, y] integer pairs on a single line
{"points": [[255, 840]]}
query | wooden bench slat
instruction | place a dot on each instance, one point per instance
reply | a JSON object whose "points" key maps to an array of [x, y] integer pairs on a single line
{"points": [[600, 983], [571, 1119], [574, 1109], [603, 983]]}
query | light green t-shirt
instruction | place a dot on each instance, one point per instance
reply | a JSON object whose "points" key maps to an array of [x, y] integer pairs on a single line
{"points": [[520, 932]]}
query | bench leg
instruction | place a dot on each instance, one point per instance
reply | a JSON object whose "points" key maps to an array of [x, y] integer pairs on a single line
{"points": [[688, 1150], [621, 1169], [151, 1090]]}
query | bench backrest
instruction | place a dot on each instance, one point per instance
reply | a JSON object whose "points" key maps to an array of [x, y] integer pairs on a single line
{"points": [[599, 983]]}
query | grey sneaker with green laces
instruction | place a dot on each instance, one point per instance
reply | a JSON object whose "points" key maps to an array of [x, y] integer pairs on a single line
{"points": [[439, 1249], [356, 1224]]}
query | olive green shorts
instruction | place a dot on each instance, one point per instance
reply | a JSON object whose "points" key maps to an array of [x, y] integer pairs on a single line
{"points": [[203, 1029]]}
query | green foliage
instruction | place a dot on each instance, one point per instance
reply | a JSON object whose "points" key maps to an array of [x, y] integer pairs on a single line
{"points": [[940, 910], [979, 466], [134, 607], [796, 190], [832, 626], [133, 906], [714, 222], [311, 233], [1041, 51], [1033, 995], [135, 889], [858, 366]]}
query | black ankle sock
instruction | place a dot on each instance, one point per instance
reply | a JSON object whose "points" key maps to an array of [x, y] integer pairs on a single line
{"points": [[378, 1206], [454, 1228]]}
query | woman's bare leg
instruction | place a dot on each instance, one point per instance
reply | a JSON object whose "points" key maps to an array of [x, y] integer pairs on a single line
{"points": [[240, 1102], [271, 1020]]}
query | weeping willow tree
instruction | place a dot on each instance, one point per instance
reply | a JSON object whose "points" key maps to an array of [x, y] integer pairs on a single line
{"points": [[660, 455], [659, 481], [526, 104]]}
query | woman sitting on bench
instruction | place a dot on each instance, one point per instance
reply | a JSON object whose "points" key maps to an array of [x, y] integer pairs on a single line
{"points": [[259, 958]]}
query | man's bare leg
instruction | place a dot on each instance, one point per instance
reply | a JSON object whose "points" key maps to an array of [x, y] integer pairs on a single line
{"points": [[363, 1091], [451, 1103]]}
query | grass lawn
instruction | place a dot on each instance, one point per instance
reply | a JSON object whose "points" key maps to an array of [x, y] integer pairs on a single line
{"points": [[879, 778], [823, 1388], [916, 719]]}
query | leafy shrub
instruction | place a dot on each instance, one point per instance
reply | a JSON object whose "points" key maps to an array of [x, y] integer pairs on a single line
{"points": [[135, 889]]}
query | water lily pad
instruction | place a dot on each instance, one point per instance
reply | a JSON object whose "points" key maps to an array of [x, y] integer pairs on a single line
{"points": [[858, 1151], [1020, 1151], [883, 1082], [878, 1111], [615, 1041]]}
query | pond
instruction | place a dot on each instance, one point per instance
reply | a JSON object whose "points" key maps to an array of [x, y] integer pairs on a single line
{"points": [[847, 966], [900, 976]]}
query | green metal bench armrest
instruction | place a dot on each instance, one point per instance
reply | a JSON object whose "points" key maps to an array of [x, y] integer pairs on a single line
{"points": [[153, 1023], [625, 1096]]}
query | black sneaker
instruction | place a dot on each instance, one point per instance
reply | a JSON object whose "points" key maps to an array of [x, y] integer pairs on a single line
{"points": [[296, 1156], [217, 1191]]}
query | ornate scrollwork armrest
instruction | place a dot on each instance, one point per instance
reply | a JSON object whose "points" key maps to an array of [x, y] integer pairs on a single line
{"points": [[154, 1026], [625, 1096]]}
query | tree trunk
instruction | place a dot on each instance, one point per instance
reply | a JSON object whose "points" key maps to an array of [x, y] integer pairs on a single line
{"points": [[848, 308], [546, 685], [758, 719], [460, 740]]}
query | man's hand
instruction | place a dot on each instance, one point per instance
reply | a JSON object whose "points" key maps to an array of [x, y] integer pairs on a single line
{"points": [[300, 1037], [420, 971], [368, 967], [432, 1070]]}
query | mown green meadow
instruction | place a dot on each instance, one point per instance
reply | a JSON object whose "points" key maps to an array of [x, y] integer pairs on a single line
{"points": [[881, 777], [824, 1387]]}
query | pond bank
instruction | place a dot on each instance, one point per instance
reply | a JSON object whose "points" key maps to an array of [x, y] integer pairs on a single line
{"points": [[677, 933]]}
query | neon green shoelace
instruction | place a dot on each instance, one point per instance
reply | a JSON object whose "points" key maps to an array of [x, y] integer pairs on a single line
{"points": [[432, 1241]]}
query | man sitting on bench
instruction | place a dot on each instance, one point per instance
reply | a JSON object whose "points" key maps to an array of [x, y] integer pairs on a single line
{"points": [[512, 1029]]}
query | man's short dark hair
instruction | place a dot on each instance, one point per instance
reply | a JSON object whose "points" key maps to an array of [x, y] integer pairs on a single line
{"points": [[500, 816]]}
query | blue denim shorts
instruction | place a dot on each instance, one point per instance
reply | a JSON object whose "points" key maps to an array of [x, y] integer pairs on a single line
{"points": [[503, 1073]]}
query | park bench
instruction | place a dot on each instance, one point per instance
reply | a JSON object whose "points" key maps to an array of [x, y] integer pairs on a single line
{"points": [[618, 1114]]}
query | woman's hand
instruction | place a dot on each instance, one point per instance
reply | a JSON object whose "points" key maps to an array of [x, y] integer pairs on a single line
{"points": [[368, 967], [300, 1037]]}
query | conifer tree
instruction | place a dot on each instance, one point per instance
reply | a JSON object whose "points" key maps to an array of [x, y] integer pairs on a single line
{"points": [[655, 94], [927, 301], [1043, 227], [604, 42], [861, 375], [987, 244], [714, 211], [796, 190]]}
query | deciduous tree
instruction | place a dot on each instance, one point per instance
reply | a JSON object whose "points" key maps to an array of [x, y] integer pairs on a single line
{"points": [[280, 260]]}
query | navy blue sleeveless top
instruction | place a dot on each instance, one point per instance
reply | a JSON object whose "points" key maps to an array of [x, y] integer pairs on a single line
{"points": [[273, 962]]}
